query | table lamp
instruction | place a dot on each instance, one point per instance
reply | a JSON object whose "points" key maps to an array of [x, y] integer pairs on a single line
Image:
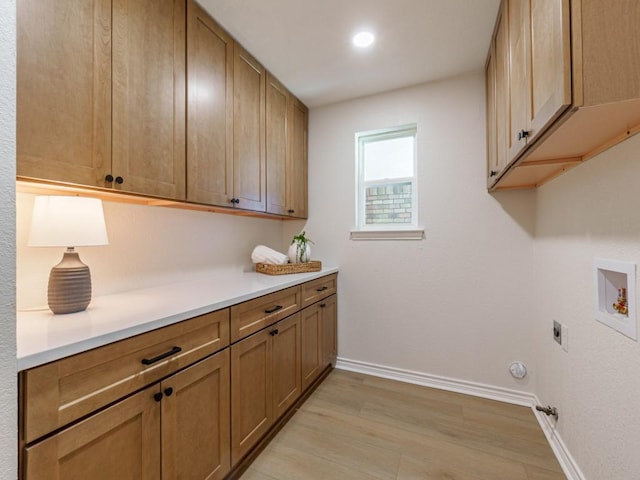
{"points": [[60, 221]]}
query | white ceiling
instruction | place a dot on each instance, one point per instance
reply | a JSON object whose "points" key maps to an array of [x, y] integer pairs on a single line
{"points": [[307, 43]]}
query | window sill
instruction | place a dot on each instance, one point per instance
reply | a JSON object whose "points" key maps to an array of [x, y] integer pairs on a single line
{"points": [[414, 234]]}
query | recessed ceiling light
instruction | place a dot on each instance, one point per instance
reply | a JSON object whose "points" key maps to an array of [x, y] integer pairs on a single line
{"points": [[363, 39]]}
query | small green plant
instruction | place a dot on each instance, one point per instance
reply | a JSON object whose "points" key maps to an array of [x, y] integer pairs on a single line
{"points": [[302, 242], [301, 239]]}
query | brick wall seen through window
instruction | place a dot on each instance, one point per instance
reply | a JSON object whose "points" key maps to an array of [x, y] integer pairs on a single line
{"points": [[388, 204]]}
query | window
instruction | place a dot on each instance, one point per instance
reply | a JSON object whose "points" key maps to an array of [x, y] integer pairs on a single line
{"points": [[386, 177]]}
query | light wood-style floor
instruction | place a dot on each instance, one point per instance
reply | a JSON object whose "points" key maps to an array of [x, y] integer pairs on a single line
{"points": [[356, 426]]}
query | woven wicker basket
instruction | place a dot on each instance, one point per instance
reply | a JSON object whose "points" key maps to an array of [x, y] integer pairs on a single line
{"points": [[312, 266]]}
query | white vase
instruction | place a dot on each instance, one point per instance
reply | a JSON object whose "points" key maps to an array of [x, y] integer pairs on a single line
{"points": [[297, 254]]}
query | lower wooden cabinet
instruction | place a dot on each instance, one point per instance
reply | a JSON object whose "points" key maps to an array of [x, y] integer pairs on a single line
{"points": [[59, 393], [120, 442], [311, 344], [195, 421], [329, 308], [178, 428], [286, 353], [265, 382], [251, 413], [178, 402], [319, 338]]}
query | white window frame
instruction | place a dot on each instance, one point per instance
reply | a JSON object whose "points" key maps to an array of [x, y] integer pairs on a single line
{"points": [[408, 231]]}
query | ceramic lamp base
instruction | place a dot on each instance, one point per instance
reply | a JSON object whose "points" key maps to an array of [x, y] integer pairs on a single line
{"points": [[69, 285]]}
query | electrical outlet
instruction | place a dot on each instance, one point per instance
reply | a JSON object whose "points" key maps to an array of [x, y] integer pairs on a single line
{"points": [[557, 332], [565, 338]]}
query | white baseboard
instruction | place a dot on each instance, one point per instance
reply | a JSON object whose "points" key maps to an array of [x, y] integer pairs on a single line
{"points": [[566, 461], [443, 383]]}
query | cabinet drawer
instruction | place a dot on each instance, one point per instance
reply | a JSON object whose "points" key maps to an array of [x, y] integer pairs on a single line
{"points": [[253, 315], [60, 392], [318, 289]]}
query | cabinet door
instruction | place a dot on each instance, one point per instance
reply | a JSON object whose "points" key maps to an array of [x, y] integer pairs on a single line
{"points": [[277, 105], [195, 421], [64, 90], [297, 161], [329, 330], [251, 392], [149, 96], [311, 344], [209, 109], [286, 139], [502, 92], [519, 75], [492, 125], [120, 442], [286, 364], [249, 183], [550, 62]]}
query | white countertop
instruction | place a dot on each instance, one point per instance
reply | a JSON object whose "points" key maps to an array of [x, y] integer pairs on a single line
{"points": [[43, 337]]}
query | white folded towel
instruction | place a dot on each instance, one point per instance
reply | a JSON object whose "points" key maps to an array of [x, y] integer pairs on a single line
{"points": [[262, 254]]}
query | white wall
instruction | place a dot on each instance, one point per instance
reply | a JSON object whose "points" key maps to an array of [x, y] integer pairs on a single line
{"points": [[591, 211], [458, 303], [8, 392], [147, 246]]}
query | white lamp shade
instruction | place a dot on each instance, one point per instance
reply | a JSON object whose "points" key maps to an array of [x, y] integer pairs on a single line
{"points": [[60, 221]]}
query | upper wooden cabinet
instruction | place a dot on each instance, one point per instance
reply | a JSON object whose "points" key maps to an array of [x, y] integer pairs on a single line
{"points": [[297, 177], [249, 174], [149, 96], [287, 126], [571, 82], [497, 82], [64, 90], [209, 109], [539, 68], [155, 98], [516, 36], [549, 59], [277, 151], [101, 97]]}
